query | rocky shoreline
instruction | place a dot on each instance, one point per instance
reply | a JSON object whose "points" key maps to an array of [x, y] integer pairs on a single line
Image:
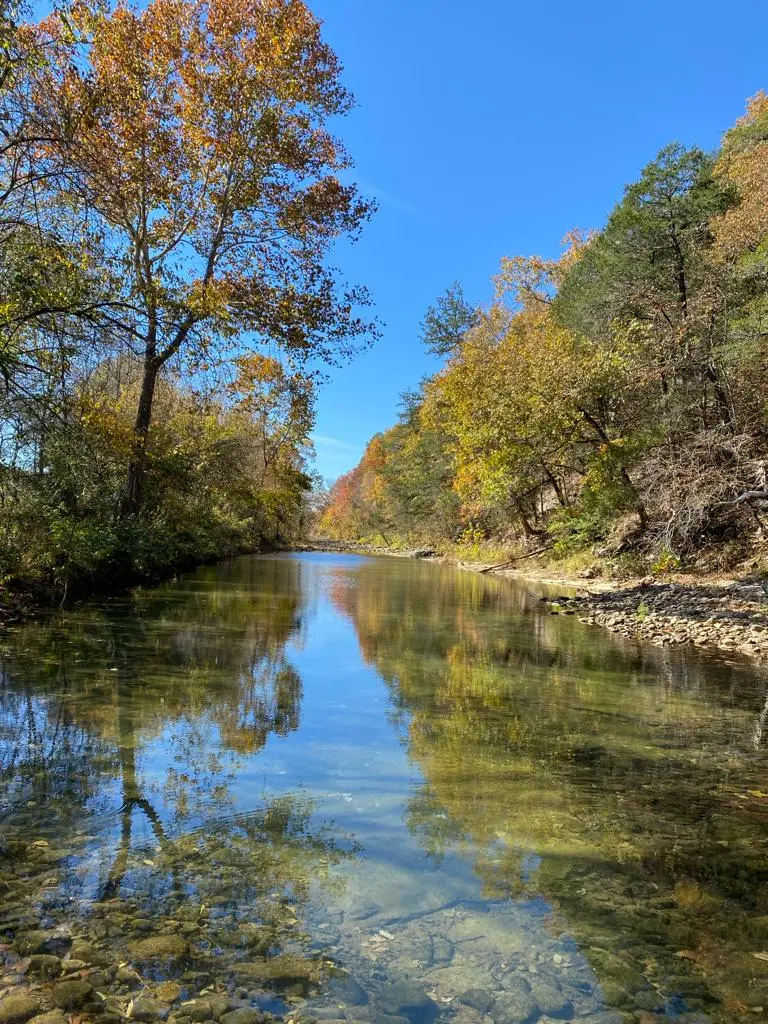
{"points": [[730, 616]]}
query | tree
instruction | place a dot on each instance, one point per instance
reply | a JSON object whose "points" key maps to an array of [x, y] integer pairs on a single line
{"points": [[192, 137], [649, 268], [447, 321]]}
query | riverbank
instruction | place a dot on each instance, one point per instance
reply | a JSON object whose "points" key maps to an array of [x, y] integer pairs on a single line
{"points": [[710, 611]]}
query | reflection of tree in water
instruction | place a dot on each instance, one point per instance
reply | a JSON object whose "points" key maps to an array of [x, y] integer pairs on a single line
{"points": [[121, 731], [630, 778]]}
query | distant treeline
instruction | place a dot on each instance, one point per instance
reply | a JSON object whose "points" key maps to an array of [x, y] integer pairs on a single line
{"points": [[169, 192], [613, 398]]}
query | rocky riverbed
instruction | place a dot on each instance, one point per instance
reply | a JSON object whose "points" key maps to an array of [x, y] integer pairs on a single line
{"points": [[465, 963], [728, 616]]}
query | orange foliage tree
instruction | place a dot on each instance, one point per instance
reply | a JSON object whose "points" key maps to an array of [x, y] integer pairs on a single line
{"points": [[191, 138]]}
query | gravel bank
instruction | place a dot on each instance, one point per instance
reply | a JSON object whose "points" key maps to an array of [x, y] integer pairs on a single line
{"points": [[728, 616]]}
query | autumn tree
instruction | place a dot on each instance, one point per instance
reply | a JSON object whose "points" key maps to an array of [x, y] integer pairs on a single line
{"points": [[447, 321], [193, 139], [648, 268]]}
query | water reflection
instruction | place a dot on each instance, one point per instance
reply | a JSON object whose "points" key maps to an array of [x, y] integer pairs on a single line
{"points": [[619, 782], [380, 791], [124, 729]]}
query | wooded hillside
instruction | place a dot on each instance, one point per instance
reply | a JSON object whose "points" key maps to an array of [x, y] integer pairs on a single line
{"points": [[613, 399]]}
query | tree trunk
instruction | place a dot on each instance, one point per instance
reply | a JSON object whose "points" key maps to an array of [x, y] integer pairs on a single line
{"points": [[623, 471], [137, 468]]}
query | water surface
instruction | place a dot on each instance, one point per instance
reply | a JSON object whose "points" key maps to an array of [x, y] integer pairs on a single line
{"points": [[309, 778]]}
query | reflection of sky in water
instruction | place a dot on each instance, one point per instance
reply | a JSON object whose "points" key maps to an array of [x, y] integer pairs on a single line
{"points": [[592, 707]]}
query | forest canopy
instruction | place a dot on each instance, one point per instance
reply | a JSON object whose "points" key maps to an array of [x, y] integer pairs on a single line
{"points": [[611, 400]]}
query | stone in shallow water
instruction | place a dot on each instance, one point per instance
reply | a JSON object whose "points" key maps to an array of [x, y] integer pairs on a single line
{"points": [[280, 970], [18, 1008], [211, 1007], [52, 1017], [196, 1009], [45, 965], [31, 942], [386, 1018], [168, 991], [159, 947], [70, 994], [145, 1008], [479, 999], [243, 1015], [345, 989], [515, 1005], [90, 955], [406, 999], [551, 999], [418, 946]]}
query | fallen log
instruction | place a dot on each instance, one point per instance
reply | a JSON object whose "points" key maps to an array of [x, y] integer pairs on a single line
{"points": [[517, 558]]}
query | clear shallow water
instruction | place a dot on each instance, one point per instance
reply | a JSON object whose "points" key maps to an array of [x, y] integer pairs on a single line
{"points": [[375, 772]]}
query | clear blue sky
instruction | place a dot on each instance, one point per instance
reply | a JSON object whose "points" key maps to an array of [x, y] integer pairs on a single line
{"points": [[491, 128]]}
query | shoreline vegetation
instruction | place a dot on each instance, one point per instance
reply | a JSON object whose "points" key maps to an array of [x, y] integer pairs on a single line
{"points": [[168, 305]]}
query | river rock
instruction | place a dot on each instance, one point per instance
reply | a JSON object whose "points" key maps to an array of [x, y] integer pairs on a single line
{"points": [[345, 989], [211, 1007], [30, 942], [418, 946], [479, 999], [167, 991], [551, 999], [244, 1015], [159, 947], [16, 1008], [145, 1008], [127, 976], [52, 1017], [45, 965], [515, 1005], [285, 969], [407, 999], [90, 955], [72, 993]]}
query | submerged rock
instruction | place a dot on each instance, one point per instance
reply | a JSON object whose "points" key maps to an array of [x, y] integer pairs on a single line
{"points": [[515, 1005], [159, 947], [17, 1008], [285, 969], [90, 955], [72, 993], [345, 989], [145, 1008], [442, 950], [52, 1017], [407, 999], [45, 965], [28, 943], [244, 1015], [210, 1007], [479, 999], [551, 999]]}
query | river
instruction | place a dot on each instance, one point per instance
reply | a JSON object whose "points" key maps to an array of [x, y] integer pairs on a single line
{"points": [[333, 787]]}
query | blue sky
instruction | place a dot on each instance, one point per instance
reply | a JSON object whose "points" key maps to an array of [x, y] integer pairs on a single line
{"points": [[491, 129]]}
